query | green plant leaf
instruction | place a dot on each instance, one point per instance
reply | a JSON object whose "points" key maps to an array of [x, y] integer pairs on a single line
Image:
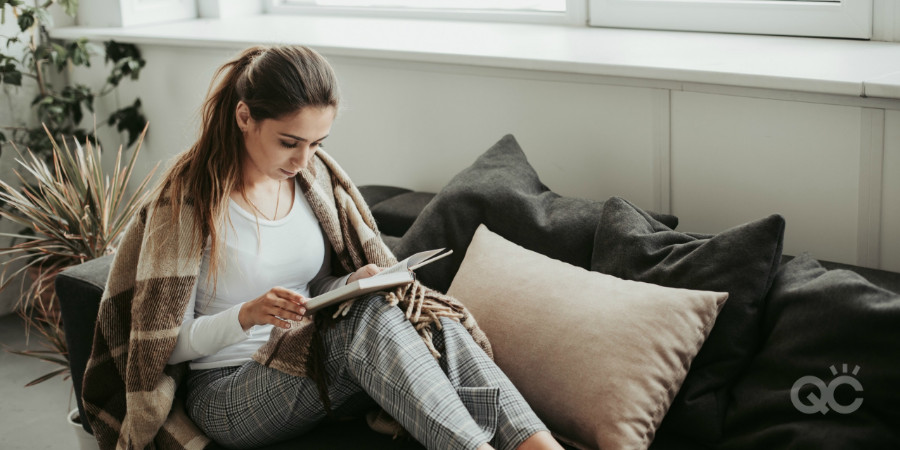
{"points": [[116, 51], [43, 17], [42, 52], [51, 110], [130, 119], [26, 19], [9, 74], [126, 60], [71, 100], [70, 6], [58, 56], [80, 52]]}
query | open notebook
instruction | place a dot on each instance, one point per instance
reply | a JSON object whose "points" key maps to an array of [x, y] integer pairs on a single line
{"points": [[396, 275]]}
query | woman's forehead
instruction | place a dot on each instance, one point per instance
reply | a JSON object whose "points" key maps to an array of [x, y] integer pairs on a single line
{"points": [[309, 123]]}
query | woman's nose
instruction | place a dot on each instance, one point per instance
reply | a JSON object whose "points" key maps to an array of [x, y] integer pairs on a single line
{"points": [[302, 157]]}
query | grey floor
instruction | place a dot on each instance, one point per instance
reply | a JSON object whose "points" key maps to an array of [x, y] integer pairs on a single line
{"points": [[33, 417]]}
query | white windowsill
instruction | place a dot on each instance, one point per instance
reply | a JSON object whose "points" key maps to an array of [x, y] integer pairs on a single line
{"points": [[828, 66]]}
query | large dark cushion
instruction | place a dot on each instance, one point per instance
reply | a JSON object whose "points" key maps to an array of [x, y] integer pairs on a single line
{"points": [[501, 190], [823, 324], [396, 214], [375, 194], [742, 261]]}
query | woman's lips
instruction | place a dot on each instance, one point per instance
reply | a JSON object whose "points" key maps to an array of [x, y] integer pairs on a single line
{"points": [[290, 174]]}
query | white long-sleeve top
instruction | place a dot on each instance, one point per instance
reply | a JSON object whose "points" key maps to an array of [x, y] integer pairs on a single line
{"points": [[291, 252]]}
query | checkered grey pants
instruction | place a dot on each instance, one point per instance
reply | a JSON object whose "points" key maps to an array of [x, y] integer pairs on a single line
{"points": [[460, 401]]}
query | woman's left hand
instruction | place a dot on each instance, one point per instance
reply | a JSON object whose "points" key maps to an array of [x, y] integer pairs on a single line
{"points": [[364, 272]]}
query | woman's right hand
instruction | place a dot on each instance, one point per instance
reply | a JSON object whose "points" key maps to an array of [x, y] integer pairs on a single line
{"points": [[271, 307]]}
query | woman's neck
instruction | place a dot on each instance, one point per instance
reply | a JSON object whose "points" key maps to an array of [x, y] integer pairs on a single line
{"points": [[265, 197], [255, 180]]}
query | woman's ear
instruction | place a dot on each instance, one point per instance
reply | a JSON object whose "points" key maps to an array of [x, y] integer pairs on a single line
{"points": [[242, 115]]}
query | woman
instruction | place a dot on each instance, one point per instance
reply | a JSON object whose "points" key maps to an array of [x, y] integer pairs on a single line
{"points": [[275, 214]]}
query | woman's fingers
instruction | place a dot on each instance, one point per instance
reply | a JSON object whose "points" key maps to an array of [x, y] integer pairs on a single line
{"points": [[373, 269], [364, 272], [276, 316], [277, 322], [286, 310], [289, 306], [273, 307], [288, 295]]}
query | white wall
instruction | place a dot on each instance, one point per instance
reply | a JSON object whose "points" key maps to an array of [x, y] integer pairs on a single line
{"points": [[714, 156], [735, 159], [584, 139], [890, 218]]}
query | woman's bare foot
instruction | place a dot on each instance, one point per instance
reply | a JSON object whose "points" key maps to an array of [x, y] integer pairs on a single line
{"points": [[542, 440]]}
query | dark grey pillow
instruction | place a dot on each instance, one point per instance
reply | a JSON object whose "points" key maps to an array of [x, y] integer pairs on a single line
{"points": [[818, 322], [375, 194], [501, 190], [742, 261], [396, 214]]}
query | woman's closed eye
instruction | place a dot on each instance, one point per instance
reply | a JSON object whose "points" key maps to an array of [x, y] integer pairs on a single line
{"points": [[293, 144]]}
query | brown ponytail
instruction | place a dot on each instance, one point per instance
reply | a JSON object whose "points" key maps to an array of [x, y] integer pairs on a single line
{"points": [[273, 82]]}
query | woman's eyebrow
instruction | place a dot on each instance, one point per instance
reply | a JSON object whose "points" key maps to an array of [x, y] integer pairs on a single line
{"points": [[298, 138]]}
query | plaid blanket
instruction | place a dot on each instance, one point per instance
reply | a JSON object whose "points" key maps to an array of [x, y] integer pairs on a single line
{"points": [[129, 389]]}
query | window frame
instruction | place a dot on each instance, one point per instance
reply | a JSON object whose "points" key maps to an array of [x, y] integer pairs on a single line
{"points": [[844, 19], [576, 13], [124, 13]]}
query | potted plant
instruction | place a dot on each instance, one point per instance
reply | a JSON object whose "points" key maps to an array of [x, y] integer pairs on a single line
{"points": [[31, 61], [72, 210]]}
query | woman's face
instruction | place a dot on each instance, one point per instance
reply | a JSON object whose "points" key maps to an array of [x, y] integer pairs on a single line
{"points": [[279, 148]]}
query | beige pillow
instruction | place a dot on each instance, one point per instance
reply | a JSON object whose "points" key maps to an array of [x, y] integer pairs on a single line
{"points": [[598, 358]]}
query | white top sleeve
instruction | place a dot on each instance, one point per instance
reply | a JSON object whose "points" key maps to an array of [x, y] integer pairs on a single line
{"points": [[206, 335]]}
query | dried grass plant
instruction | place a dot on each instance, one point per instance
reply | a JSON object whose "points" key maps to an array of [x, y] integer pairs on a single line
{"points": [[71, 211]]}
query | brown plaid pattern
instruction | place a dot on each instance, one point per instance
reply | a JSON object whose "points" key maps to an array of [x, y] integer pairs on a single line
{"points": [[129, 391]]}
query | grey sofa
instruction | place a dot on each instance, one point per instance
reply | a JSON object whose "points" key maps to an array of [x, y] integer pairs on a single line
{"points": [[803, 315], [80, 288]]}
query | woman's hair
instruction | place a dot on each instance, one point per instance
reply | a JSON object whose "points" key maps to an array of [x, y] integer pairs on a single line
{"points": [[273, 82]]}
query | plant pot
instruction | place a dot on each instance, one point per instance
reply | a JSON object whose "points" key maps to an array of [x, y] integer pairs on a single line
{"points": [[85, 440]]}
